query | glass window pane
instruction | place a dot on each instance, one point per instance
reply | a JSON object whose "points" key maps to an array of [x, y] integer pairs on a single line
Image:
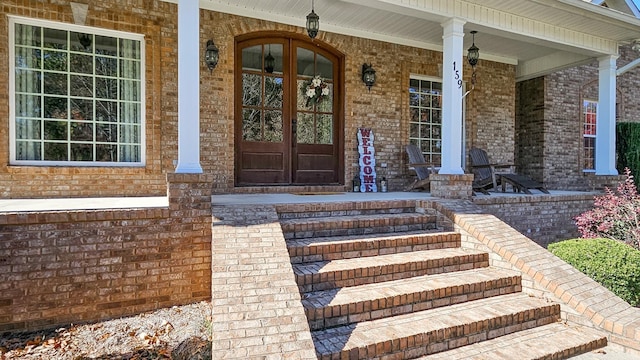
{"points": [[324, 129], [106, 66], [414, 131], [306, 129], [28, 81], [81, 109], [130, 69], [251, 89], [276, 52], [251, 126], [107, 132], [81, 131], [55, 60], [129, 134], [28, 106], [306, 66], [28, 150], [326, 104], [27, 35], [81, 85], [107, 152], [55, 39], [324, 67], [129, 113], [55, 130], [414, 85], [130, 90], [273, 126], [55, 83], [81, 152], [273, 92], [27, 58], [81, 64], [106, 45], [106, 88], [81, 42], [55, 108], [28, 129], [130, 49], [252, 58], [107, 111], [130, 153]]}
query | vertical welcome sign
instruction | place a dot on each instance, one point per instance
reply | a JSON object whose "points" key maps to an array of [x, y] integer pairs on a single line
{"points": [[367, 160]]}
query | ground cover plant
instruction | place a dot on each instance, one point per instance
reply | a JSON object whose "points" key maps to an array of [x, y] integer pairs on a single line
{"points": [[611, 263]]}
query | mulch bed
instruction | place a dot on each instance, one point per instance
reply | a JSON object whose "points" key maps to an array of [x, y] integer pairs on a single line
{"points": [[179, 332]]}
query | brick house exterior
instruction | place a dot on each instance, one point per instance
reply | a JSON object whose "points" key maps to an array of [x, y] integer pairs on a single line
{"points": [[531, 122]]}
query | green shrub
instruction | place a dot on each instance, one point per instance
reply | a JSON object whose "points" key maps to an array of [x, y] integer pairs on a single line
{"points": [[613, 264]]}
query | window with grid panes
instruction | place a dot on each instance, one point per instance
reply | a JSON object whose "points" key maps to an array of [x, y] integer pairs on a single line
{"points": [[589, 120], [425, 126], [77, 95]]}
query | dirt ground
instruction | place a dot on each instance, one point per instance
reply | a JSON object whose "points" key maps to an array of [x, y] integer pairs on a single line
{"points": [[179, 332]]}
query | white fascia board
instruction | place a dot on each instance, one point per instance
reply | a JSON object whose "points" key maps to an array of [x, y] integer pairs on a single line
{"points": [[500, 20], [547, 64]]}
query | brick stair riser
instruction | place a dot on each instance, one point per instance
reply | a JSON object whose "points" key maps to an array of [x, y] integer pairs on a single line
{"points": [[371, 247], [331, 316], [453, 337], [375, 274], [348, 212], [346, 227]]}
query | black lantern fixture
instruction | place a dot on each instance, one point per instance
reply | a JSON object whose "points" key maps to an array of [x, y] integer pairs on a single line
{"points": [[211, 55], [85, 40], [473, 54], [313, 22], [269, 62], [368, 75]]}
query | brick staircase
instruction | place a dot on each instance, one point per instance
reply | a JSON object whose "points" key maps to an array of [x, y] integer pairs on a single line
{"points": [[384, 280]]}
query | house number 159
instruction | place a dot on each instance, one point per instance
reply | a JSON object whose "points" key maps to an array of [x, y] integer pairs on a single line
{"points": [[456, 76]]}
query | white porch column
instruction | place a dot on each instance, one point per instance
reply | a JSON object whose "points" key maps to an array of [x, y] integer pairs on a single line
{"points": [[606, 117], [452, 97], [188, 87]]}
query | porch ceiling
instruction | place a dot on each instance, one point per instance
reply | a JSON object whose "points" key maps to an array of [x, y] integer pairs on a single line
{"points": [[539, 36]]}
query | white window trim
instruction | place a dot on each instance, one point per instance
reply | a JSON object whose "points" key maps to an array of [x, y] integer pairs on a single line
{"points": [[12, 95], [586, 135]]}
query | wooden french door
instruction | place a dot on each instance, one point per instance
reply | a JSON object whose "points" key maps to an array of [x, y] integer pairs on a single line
{"points": [[282, 138]]}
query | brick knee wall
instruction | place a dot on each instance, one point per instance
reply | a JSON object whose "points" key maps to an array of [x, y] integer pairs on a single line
{"points": [[542, 218], [79, 266]]}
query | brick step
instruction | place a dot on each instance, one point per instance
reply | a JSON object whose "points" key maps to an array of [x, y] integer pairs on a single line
{"points": [[356, 225], [354, 246], [425, 332], [347, 209], [323, 275], [348, 305], [554, 342]]}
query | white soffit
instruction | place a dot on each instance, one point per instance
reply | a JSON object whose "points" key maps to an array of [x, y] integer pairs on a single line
{"points": [[533, 34]]}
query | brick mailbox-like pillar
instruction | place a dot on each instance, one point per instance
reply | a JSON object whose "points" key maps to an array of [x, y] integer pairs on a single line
{"points": [[451, 186]]}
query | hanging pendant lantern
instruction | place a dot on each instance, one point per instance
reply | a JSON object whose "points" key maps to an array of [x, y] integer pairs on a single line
{"points": [[313, 22]]}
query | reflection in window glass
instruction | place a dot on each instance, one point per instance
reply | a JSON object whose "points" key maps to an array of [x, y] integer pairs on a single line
{"points": [[425, 104], [273, 126], [306, 65], [589, 121], [252, 58], [324, 129], [306, 129]]}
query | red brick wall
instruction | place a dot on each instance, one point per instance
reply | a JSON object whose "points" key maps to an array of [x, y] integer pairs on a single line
{"points": [[154, 20], [75, 266]]}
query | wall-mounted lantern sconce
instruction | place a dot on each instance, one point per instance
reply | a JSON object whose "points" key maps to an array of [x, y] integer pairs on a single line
{"points": [[211, 55], [313, 23], [269, 62], [473, 54], [368, 75]]}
